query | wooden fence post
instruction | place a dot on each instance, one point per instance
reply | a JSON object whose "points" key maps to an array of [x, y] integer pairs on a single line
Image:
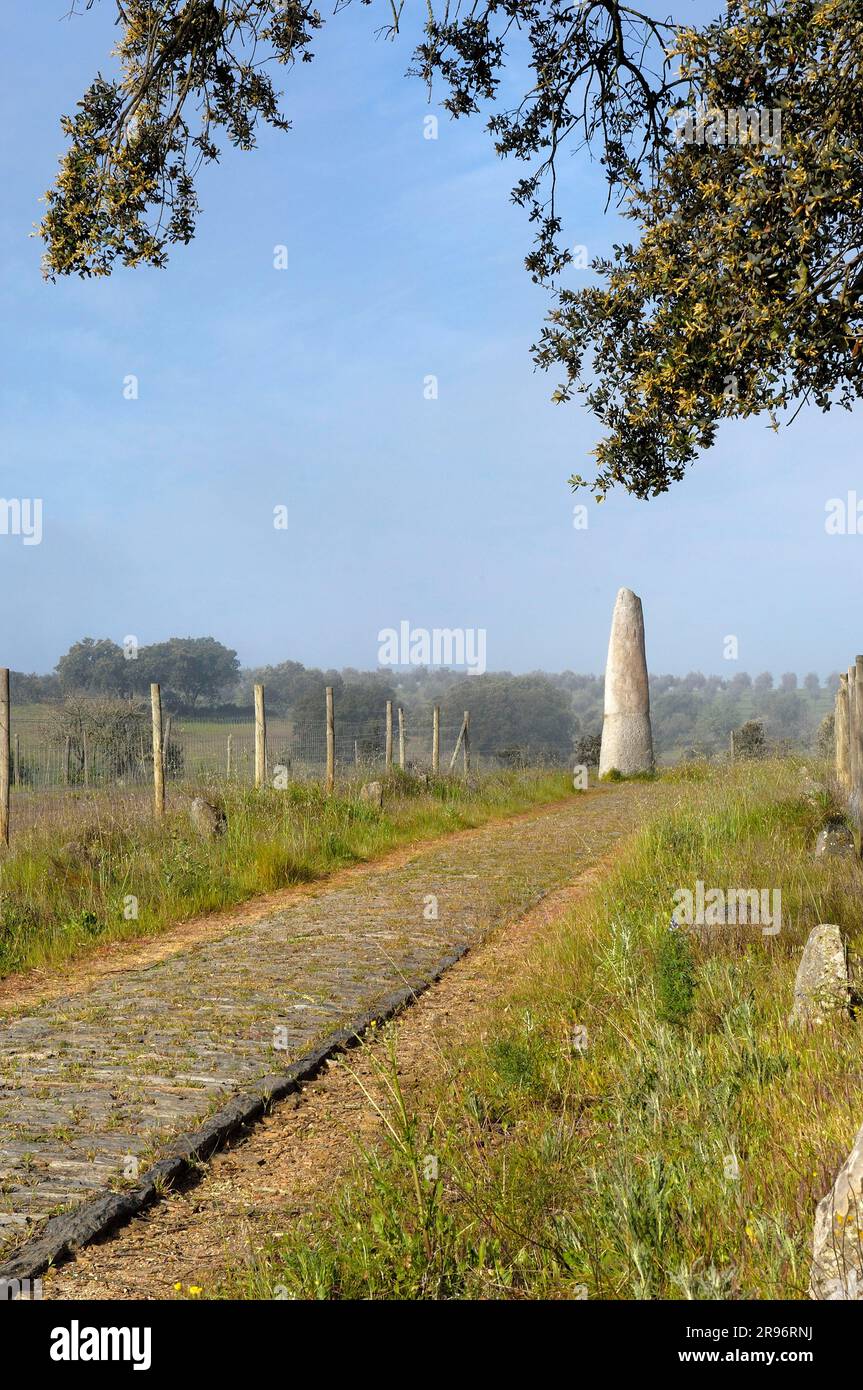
{"points": [[229, 766], [166, 743], [67, 760], [5, 751], [85, 748], [158, 765], [401, 738], [331, 743], [852, 736], [457, 749], [466, 744], [436, 740], [389, 738], [857, 790], [260, 737], [842, 737]]}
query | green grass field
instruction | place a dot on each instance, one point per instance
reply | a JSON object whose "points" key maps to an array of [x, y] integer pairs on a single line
{"points": [[680, 1153], [69, 881]]}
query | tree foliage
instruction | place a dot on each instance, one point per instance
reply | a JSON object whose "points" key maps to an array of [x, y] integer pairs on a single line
{"points": [[190, 70], [739, 297], [188, 668], [742, 295]]}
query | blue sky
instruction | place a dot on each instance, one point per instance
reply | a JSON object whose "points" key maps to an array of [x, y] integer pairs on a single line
{"points": [[304, 387]]}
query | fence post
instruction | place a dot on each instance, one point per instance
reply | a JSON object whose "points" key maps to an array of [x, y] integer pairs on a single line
{"points": [[17, 760], [732, 745], [852, 736], [5, 750], [842, 736], [166, 743], [436, 740], [85, 747], [331, 743], [67, 759], [456, 750], [260, 737], [401, 738], [158, 765], [466, 744], [229, 766], [389, 738], [857, 790]]}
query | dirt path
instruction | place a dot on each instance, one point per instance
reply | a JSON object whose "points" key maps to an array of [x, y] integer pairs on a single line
{"points": [[95, 1079]]}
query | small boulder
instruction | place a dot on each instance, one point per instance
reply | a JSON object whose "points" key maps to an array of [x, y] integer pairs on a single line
{"points": [[76, 853], [208, 820], [821, 987], [837, 1248], [373, 793], [835, 841]]}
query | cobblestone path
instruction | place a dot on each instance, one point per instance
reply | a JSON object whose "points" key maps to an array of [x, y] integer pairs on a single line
{"points": [[95, 1081]]}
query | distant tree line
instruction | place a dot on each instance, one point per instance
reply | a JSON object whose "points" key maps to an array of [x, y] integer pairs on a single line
{"points": [[514, 717]]}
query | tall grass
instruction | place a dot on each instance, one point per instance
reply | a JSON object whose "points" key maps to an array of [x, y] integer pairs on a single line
{"points": [[68, 885], [680, 1154]]}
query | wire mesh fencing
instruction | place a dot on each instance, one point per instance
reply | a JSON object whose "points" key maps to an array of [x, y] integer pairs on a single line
{"points": [[46, 757]]}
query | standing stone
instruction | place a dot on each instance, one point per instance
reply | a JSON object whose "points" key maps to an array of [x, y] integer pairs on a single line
{"points": [[821, 986], [843, 737], [837, 1249], [372, 792], [207, 819], [627, 743]]}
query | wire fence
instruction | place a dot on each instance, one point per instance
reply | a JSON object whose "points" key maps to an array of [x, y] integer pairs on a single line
{"points": [[44, 757]]}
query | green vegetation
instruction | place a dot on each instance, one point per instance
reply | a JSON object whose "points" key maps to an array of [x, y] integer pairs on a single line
{"points": [[65, 887], [514, 719], [680, 1154]]}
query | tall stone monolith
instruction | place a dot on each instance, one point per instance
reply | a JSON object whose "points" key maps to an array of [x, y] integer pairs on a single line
{"points": [[627, 743]]}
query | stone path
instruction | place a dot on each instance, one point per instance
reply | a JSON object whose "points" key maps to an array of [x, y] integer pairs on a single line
{"points": [[97, 1082]]}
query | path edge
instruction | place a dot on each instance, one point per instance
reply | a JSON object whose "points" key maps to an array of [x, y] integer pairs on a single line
{"points": [[97, 1217]]}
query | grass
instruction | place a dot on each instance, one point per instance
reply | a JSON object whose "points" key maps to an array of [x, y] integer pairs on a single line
{"points": [[680, 1154], [68, 886]]}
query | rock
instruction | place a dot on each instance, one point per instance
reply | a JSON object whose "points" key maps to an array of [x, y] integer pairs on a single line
{"points": [[837, 1247], [835, 842], [75, 852], [207, 819], [821, 986], [372, 792], [627, 742]]}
